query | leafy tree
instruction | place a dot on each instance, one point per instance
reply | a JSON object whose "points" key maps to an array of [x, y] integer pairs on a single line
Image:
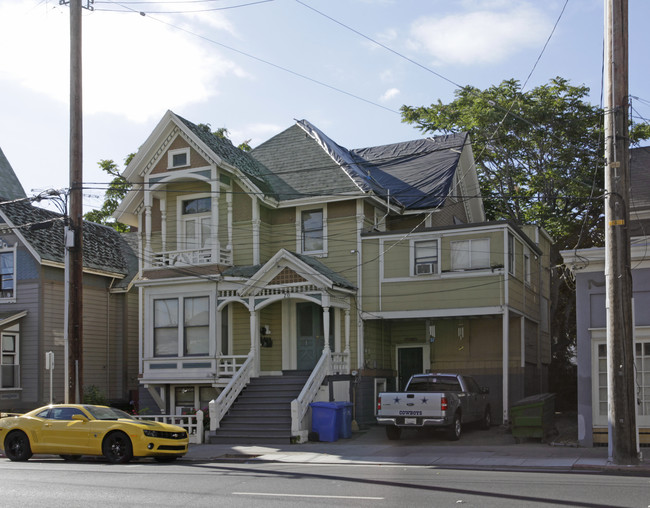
{"points": [[539, 157], [117, 190], [222, 132]]}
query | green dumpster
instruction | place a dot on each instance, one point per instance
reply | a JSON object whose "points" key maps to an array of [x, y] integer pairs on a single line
{"points": [[533, 416]]}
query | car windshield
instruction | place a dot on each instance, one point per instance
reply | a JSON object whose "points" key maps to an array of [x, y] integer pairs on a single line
{"points": [[108, 413], [434, 384]]}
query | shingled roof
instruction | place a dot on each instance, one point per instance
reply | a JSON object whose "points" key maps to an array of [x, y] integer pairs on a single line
{"points": [[104, 249], [415, 174], [10, 187]]}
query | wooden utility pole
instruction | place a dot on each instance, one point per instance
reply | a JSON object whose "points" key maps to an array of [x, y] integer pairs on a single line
{"points": [[75, 308], [621, 392]]}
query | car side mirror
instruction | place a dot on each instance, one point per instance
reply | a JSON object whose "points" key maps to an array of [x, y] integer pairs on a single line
{"points": [[79, 417]]}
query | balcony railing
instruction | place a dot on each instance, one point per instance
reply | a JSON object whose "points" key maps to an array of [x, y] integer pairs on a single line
{"points": [[190, 257]]}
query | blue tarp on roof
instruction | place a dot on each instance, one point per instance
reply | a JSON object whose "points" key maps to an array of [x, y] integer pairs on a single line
{"points": [[415, 174]]}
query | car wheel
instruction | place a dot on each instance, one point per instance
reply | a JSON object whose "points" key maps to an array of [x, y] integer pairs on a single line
{"points": [[117, 448], [393, 432], [486, 422], [454, 431], [17, 446], [70, 458]]}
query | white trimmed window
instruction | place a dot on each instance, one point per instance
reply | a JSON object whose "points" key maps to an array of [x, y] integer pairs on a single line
{"points": [[599, 380], [181, 326], [470, 254], [179, 158], [196, 219], [9, 360], [7, 271], [312, 230], [425, 257]]}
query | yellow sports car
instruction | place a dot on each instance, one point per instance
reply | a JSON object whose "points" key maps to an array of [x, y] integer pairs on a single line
{"points": [[73, 430]]}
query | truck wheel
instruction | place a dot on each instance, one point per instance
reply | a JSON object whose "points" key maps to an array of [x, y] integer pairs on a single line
{"points": [[455, 429], [393, 433], [486, 422]]}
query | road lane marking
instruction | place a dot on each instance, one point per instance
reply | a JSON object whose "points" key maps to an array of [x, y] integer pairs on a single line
{"points": [[270, 494]]}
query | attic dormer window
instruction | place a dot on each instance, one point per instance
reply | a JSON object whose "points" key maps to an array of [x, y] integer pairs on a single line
{"points": [[178, 158]]}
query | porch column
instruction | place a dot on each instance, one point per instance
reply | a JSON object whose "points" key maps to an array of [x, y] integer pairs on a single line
{"points": [[504, 361], [214, 220], [347, 331], [163, 223], [255, 341], [229, 204], [256, 230], [147, 229], [326, 328]]}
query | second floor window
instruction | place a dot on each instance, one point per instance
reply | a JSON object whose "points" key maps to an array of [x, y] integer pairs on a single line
{"points": [[470, 254], [312, 230], [511, 254], [426, 257], [196, 222], [7, 274]]}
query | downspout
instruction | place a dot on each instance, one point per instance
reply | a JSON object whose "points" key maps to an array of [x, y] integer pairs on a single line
{"points": [[505, 331], [360, 341]]}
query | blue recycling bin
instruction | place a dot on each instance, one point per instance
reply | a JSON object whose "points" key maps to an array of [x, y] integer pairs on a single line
{"points": [[344, 419], [324, 420]]}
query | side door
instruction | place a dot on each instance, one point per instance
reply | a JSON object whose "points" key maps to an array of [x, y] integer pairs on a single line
{"points": [[63, 435], [409, 362]]}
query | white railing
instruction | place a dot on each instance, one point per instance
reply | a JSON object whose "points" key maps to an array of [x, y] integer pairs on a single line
{"points": [[340, 363], [220, 406], [300, 405], [190, 257], [229, 365], [193, 424]]}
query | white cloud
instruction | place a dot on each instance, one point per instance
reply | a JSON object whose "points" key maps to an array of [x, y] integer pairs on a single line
{"points": [[481, 36], [389, 94], [132, 66]]}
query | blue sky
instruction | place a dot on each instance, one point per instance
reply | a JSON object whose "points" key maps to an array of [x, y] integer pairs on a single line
{"points": [[254, 66]]}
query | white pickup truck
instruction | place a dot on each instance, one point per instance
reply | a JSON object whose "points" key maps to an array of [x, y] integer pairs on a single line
{"points": [[435, 400]]}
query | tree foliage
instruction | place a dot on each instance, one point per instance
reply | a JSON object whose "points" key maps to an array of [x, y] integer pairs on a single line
{"points": [[538, 153], [539, 157], [117, 190]]}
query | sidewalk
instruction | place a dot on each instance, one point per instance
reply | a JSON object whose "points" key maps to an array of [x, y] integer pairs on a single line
{"points": [[494, 449]]}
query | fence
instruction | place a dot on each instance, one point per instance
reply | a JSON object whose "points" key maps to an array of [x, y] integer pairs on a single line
{"points": [[192, 423]]}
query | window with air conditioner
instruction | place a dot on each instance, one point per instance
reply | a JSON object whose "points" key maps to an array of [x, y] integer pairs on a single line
{"points": [[425, 261]]}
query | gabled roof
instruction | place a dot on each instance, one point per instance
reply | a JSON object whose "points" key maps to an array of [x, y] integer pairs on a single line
{"points": [[104, 249], [414, 174], [232, 155], [309, 268], [10, 187]]}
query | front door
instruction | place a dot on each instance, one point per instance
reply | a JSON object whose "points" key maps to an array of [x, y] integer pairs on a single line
{"points": [[310, 339], [409, 362]]}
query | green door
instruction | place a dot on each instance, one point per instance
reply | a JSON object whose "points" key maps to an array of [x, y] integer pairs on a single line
{"points": [[409, 362], [310, 335]]}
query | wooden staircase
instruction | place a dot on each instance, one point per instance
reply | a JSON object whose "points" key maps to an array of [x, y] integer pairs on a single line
{"points": [[262, 412]]}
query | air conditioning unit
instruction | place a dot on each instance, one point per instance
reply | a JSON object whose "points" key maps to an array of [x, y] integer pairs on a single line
{"points": [[424, 268]]}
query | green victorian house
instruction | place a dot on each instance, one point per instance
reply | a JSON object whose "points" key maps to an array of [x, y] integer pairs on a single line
{"points": [[303, 271]]}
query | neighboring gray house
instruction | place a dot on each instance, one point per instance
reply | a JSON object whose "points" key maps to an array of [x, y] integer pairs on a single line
{"points": [[32, 304], [589, 268]]}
